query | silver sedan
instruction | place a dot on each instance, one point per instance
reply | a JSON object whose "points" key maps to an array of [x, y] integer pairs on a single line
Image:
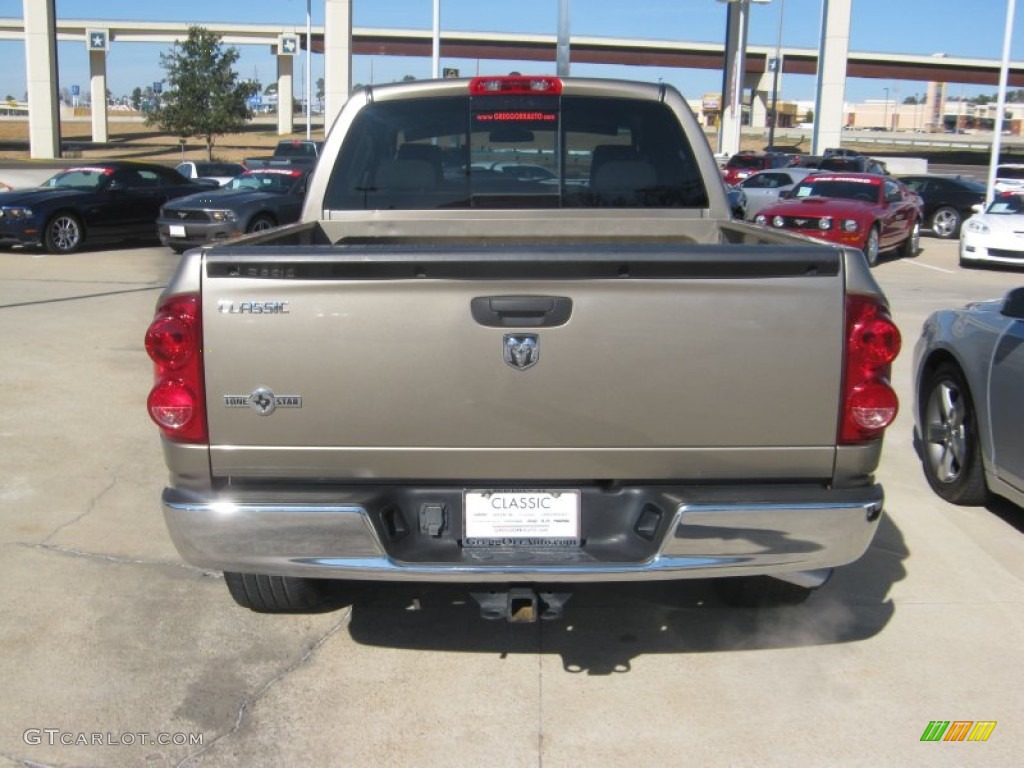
{"points": [[969, 412], [767, 187]]}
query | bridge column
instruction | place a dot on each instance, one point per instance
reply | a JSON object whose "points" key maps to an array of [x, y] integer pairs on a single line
{"points": [[337, 57], [98, 94], [832, 55], [760, 86], [737, 18], [41, 79], [285, 106]]}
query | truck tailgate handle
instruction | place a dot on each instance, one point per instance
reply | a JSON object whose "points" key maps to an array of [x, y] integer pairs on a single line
{"points": [[521, 311]]}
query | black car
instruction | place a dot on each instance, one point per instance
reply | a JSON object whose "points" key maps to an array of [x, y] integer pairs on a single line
{"points": [[91, 203], [851, 164], [256, 200], [947, 201]]}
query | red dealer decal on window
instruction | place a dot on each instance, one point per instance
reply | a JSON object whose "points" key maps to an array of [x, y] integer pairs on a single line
{"points": [[516, 117]]}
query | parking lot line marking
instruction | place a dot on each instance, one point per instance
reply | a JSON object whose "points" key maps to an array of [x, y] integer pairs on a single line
{"points": [[80, 297], [929, 266]]}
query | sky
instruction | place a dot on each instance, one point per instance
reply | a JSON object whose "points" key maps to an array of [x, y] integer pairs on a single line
{"points": [[974, 29]]}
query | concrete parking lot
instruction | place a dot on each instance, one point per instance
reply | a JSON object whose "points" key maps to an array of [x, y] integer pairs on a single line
{"points": [[114, 653]]}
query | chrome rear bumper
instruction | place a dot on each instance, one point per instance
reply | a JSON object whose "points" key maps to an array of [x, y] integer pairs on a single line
{"points": [[718, 531]]}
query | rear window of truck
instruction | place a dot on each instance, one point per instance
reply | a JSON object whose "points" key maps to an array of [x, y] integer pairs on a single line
{"points": [[521, 151]]}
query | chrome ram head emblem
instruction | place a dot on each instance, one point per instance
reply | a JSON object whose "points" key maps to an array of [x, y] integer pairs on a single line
{"points": [[522, 350]]}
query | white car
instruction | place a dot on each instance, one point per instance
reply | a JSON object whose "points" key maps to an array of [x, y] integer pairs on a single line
{"points": [[995, 236], [766, 187], [1009, 178], [222, 173]]}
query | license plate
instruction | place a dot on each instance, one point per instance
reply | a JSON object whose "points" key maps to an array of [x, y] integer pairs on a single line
{"points": [[536, 519], [177, 230]]}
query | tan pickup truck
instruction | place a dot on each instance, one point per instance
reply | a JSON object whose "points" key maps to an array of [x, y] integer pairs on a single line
{"points": [[516, 340]]}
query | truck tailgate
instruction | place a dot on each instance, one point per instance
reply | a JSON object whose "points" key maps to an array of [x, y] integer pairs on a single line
{"points": [[674, 363]]}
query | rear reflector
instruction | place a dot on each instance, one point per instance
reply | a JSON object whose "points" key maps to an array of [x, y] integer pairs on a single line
{"points": [[515, 84]]}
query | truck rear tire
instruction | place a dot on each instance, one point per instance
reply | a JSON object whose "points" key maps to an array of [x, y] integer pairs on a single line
{"points": [[759, 592], [281, 594]]}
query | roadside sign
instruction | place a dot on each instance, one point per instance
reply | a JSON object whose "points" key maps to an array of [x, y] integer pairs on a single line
{"points": [[288, 45], [97, 39]]}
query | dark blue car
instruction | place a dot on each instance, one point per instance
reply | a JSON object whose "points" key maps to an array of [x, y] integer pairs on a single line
{"points": [[94, 202]]}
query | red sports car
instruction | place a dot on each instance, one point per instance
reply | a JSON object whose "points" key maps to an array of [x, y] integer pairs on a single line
{"points": [[865, 210]]}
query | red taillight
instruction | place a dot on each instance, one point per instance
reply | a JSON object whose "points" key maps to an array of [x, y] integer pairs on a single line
{"points": [[876, 339], [174, 342], [872, 343], [515, 84], [169, 340]]}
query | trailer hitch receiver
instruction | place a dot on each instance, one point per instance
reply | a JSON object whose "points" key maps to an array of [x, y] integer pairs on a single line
{"points": [[521, 605]]}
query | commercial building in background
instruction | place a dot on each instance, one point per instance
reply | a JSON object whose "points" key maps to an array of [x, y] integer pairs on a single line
{"points": [[934, 111]]}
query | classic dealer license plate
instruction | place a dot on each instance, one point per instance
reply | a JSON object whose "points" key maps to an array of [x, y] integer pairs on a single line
{"points": [[177, 230], [521, 519]]}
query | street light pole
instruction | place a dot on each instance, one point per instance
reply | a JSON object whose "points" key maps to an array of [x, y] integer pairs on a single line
{"points": [[436, 47], [309, 71], [562, 57], [885, 112], [997, 136], [775, 77]]}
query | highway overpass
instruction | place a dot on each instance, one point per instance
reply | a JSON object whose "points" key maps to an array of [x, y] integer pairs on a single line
{"points": [[340, 40]]}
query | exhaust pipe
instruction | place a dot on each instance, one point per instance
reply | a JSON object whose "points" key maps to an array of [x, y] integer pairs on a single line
{"points": [[806, 579]]}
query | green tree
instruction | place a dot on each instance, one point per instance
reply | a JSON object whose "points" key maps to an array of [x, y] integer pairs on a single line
{"points": [[136, 98], [204, 97]]}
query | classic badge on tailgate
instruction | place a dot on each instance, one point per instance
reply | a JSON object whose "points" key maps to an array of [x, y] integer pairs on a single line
{"points": [[229, 307]]}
